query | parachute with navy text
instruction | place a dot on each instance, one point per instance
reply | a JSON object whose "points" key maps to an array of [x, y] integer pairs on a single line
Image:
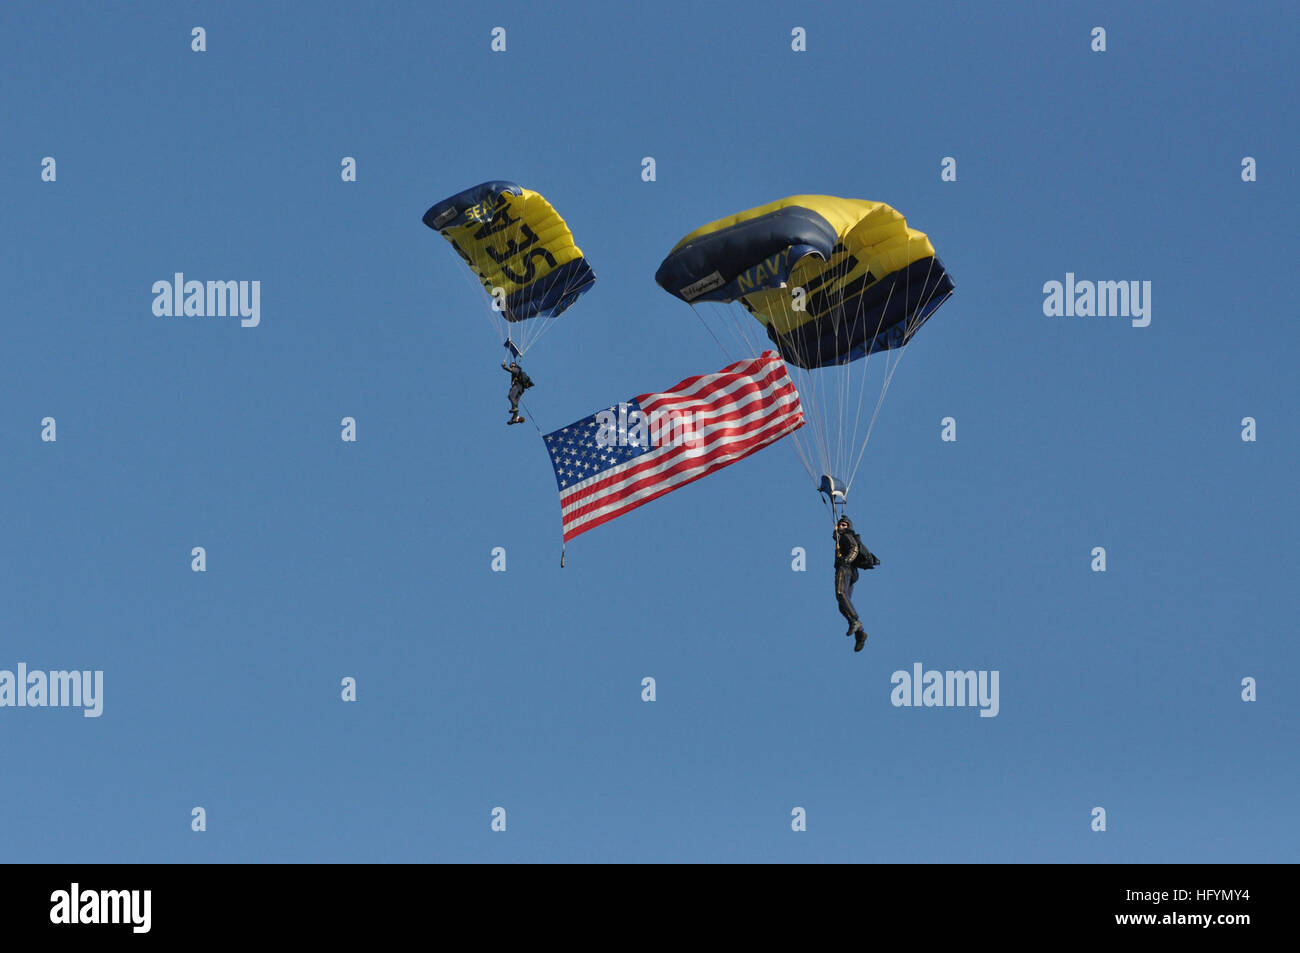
{"points": [[829, 281]]}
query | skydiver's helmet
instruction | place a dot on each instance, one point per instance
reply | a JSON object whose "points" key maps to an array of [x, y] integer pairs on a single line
{"points": [[844, 523]]}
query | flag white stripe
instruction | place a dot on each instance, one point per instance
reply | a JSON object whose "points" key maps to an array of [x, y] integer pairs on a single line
{"points": [[637, 468], [632, 500], [732, 413]]}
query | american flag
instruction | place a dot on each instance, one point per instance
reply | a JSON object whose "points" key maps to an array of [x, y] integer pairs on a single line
{"points": [[606, 464]]}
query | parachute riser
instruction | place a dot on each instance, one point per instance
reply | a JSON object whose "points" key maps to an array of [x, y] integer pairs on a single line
{"points": [[835, 495], [837, 510]]}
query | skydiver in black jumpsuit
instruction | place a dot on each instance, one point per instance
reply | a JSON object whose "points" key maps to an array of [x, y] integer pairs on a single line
{"points": [[849, 554], [519, 382]]}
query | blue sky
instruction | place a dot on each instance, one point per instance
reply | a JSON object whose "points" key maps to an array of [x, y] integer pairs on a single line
{"points": [[522, 689]]}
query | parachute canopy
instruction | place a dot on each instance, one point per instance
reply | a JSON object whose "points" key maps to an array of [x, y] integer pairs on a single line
{"points": [[831, 279], [512, 239], [830, 282]]}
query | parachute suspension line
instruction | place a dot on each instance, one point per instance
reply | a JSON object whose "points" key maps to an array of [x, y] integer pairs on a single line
{"points": [[830, 505], [862, 393], [868, 365], [828, 395], [479, 283], [744, 333], [497, 320], [803, 448], [739, 333], [814, 443], [747, 329], [826, 383], [887, 372], [823, 413], [811, 443], [884, 389], [748, 340], [526, 330], [527, 333], [758, 345], [699, 314], [820, 409], [909, 331], [533, 329], [802, 452], [845, 374], [744, 330]]}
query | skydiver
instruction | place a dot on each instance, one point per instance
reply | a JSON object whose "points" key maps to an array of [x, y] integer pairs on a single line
{"points": [[519, 382], [849, 555]]}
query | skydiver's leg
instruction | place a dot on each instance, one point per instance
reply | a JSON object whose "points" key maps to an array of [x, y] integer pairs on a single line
{"points": [[844, 593], [516, 392], [845, 577]]}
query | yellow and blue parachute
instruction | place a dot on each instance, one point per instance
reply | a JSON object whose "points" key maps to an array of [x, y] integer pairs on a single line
{"points": [[830, 281], [521, 250], [868, 281]]}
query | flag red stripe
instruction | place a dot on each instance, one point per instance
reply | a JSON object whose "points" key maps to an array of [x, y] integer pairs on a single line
{"points": [[734, 412], [785, 426], [718, 438]]}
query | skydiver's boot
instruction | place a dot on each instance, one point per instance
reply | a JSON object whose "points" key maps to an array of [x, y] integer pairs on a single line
{"points": [[862, 639], [854, 628], [516, 419]]}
